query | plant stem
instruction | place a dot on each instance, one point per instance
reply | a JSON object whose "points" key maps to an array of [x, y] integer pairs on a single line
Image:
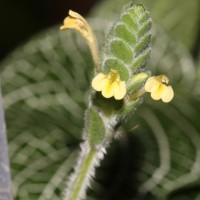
{"points": [[79, 181]]}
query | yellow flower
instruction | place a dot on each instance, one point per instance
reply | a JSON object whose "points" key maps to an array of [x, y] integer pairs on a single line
{"points": [[110, 85], [77, 22], [155, 85]]}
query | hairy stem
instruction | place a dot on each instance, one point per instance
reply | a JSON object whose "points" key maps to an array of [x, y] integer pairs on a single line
{"points": [[79, 181]]}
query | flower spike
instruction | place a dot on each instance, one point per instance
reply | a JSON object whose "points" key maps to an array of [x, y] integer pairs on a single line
{"points": [[158, 90], [77, 22], [110, 85]]}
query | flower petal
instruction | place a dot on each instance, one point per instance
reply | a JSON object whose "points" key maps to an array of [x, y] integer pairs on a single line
{"points": [[119, 90], [107, 90], [99, 82], [74, 21], [167, 94], [110, 85], [162, 78], [70, 23], [150, 83], [157, 91]]}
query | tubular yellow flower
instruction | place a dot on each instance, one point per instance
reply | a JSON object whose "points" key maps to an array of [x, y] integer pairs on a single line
{"points": [[77, 22], [155, 85], [110, 85]]}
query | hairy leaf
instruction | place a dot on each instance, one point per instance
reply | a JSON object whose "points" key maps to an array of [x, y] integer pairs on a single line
{"points": [[94, 127], [128, 45]]}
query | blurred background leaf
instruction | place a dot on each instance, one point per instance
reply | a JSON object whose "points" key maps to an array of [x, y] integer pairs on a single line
{"points": [[45, 85]]}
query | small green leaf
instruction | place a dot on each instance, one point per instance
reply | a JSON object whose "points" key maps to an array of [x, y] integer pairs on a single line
{"points": [[123, 32], [94, 127], [121, 51], [128, 42]]}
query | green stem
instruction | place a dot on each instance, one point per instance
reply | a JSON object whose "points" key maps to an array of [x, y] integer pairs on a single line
{"points": [[78, 184], [89, 158]]}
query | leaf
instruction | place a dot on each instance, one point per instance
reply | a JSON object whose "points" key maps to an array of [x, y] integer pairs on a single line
{"points": [[94, 127], [157, 160], [127, 47], [45, 93], [173, 59]]}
